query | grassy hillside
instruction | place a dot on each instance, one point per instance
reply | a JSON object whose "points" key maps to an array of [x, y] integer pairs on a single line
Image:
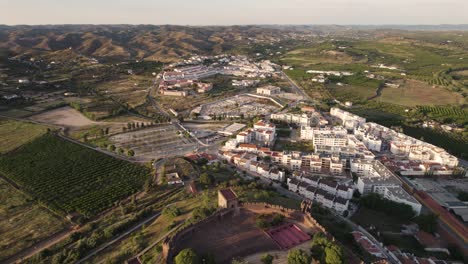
{"points": [[23, 222], [68, 177]]}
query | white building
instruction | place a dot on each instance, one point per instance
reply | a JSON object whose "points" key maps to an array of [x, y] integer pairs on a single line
{"points": [[374, 177], [245, 136], [264, 132], [269, 90], [173, 178], [419, 150], [298, 119], [308, 133], [397, 194], [349, 120], [323, 193], [374, 136], [244, 83]]}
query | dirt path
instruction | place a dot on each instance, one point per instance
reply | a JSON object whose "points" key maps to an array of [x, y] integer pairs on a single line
{"points": [[120, 237], [378, 93], [36, 248]]}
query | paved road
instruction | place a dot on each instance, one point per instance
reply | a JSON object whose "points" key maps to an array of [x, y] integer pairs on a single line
{"points": [[463, 163], [163, 111], [296, 87], [62, 135], [120, 157]]}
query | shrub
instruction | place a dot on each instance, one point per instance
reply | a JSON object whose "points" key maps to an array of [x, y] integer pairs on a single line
{"points": [[267, 259], [261, 223], [187, 256], [206, 179], [298, 256], [376, 202], [171, 211], [427, 222]]}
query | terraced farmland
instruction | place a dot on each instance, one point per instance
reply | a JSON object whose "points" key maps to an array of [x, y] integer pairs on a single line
{"points": [[71, 178]]}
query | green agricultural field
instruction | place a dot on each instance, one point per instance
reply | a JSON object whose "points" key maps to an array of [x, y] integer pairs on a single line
{"points": [[68, 177], [22, 221], [419, 93], [450, 112], [351, 92], [323, 53], [16, 133], [354, 88], [426, 64]]}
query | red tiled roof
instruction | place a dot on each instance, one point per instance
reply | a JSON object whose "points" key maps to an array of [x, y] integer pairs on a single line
{"points": [[246, 145], [208, 156], [426, 239], [393, 248], [192, 156], [228, 194]]}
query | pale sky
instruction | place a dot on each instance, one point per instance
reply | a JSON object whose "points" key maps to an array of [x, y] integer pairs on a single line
{"points": [[233, 12]]}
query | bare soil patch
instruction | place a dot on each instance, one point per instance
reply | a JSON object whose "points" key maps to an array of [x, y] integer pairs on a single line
{"points": [[64, 116], [233, 236]]}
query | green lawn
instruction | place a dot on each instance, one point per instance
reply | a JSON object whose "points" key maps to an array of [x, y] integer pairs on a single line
{"points": [[15, 133], [248, 194], [352, 92], [419, 93], [305, 146]]}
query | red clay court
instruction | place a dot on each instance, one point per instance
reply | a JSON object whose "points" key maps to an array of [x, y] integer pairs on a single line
{"points": [[288, 236]]}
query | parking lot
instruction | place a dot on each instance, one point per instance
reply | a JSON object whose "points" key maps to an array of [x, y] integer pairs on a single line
{"points": [[155, 142], [236, 106]]}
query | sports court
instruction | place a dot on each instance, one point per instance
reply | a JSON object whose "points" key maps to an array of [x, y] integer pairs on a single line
{"points": [[288, 236]]}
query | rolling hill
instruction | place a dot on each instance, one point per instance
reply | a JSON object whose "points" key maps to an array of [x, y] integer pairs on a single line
{"points": [[135, 42]]}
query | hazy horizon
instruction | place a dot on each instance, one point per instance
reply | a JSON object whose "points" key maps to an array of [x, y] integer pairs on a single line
{"points": [[241, 12]]}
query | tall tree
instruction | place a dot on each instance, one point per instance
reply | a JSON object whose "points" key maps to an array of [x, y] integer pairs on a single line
{"points": [[298, 256]]}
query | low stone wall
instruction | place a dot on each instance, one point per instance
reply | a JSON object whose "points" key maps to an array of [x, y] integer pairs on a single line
{"points": [[171, 244], [306, 205], [261, 205]]}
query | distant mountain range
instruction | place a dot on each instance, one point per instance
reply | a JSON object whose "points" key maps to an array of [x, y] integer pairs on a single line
{"points": [[133, 41], [165, 42]]}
